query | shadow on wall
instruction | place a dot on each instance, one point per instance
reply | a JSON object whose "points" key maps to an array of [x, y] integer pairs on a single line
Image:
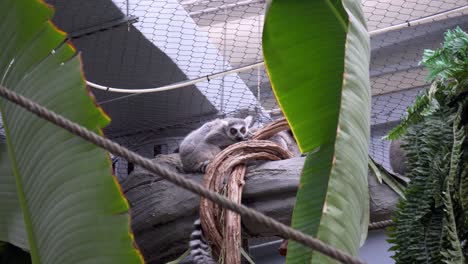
{"points": [[122, 57]]}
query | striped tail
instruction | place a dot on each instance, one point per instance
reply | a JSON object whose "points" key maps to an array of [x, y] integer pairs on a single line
{"points": [[199, 249]]}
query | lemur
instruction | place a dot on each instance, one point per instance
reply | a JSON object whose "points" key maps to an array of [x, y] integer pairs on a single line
{"points": [[199, 148], [196, 151]]}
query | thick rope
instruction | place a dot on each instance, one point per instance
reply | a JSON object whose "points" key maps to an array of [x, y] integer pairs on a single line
{"points": [[380, 224], [177, 179]]}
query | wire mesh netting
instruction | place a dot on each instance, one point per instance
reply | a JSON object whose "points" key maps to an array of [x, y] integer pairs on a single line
{"points": [[139, 44]]}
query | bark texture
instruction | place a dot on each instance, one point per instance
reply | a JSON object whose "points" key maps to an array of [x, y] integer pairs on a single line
{"points": [[163, 214]]}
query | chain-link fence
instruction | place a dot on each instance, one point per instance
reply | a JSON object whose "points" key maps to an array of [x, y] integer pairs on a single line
{"points": [[211, 49]]}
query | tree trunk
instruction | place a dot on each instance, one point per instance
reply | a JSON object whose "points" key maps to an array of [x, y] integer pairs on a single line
{"points": [[163, 214]]}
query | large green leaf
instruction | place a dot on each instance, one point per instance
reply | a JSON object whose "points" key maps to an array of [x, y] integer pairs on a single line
{"points": [[61, 185], [317, 56]]}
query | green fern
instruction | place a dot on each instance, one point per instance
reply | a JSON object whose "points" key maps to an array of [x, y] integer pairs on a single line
{"points": [[451, 60], [414, 116], [452, 252], [463, 193], [418, 222], [431, 225], [448, 70]]}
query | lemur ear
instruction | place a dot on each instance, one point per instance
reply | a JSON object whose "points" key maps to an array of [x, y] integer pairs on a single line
{"points": [[248, 121], [224, 122]]}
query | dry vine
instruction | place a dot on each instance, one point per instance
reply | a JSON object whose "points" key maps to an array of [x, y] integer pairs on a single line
{"points": [[229, 167]]}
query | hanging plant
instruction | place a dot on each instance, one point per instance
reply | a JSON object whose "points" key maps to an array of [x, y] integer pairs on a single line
{"points": [[431, 225]]}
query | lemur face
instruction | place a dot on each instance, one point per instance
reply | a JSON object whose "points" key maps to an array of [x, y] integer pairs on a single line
{"points": [[237, 132], [237, 128]]}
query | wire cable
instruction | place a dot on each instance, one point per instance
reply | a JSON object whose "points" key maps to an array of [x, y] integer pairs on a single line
{"points": [[259, 64]]}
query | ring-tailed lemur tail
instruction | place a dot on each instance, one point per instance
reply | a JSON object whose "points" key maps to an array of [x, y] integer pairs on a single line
{"points": [[199, 249], [203, 144]]}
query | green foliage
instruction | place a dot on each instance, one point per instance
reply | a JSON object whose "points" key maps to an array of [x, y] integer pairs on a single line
{"points": [[58, 197], [317, 57], [431, 224], [448, 70], [383, 175], [419, 232], [452, 252], [415, 115], [463, 193], [450, 61]]}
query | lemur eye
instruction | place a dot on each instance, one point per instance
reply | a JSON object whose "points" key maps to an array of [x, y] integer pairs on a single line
{"points": [[233, 131], [242, 130]]}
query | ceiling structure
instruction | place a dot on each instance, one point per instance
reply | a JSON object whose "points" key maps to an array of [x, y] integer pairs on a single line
{"points": [[139, 44]]}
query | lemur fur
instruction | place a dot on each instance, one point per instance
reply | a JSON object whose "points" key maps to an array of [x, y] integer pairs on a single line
{"points": [[199, 148], [200, 251]]}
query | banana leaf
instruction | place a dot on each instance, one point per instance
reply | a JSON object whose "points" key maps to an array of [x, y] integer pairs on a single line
{"points": [[317, 57], [59, 197]]}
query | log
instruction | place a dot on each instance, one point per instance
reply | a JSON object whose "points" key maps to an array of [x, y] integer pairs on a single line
{"points": [[162, 214]]}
